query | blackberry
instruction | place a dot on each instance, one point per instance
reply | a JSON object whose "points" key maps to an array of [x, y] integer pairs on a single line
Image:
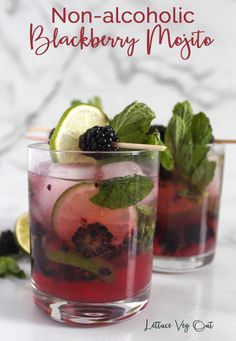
{"points": [[193, 234], [92, 240], [8, 244], [196, 234], [49, 268], [169, 241], [161, 129], [114, 251], [165, 174], [103, 272], [73, 273], [210, 233], [39, 261], [98, 139]]}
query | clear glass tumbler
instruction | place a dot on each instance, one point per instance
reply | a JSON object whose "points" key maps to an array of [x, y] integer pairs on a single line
{"points": [[185, 237], [92, 221]]}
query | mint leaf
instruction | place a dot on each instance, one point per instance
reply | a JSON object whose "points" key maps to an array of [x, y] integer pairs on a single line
{"points": [[191, 194], [187, 136], [175, 133], [203, 174], [9, 267], [133, 123], [145, 211], [166, 160], [185, 111], [146, 227], [3, 266], [199, 154], [184, 157], [201, 129], [153, 138], [96, 101], [76, 102], [122, 192]]}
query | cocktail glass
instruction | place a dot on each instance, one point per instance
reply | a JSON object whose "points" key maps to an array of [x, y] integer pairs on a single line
{"points": [[91, 264], [185, 237]]}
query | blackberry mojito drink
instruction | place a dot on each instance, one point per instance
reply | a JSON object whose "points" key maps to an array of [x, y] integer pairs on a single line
{"points": [[92, 217], [187, 226], [189, 193]]}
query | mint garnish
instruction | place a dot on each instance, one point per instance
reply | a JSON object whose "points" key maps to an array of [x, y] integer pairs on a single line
{"points": [[122, 192], [203, 174], [186, 137], [133, 123], [184, 111], [201, 129], [95, 100], [10, 267], [146, 227]]}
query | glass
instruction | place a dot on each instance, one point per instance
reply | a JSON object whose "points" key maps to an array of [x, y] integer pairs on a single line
{"points": [[91, 264], [185, 237]]}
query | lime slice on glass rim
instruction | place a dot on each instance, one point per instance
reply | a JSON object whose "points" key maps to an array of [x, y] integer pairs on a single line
{"points": [[73, 123], [22, 232]]}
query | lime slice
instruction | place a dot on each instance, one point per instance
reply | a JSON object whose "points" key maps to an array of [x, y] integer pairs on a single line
{"points": [[73, 123], [22, 232], [94, 265], [74, 207]]}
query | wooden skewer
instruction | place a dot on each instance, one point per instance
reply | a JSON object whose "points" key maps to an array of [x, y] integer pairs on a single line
{"points": [[225, 141], [122, 145], [139, 146], [39, 129], [36, 138]]}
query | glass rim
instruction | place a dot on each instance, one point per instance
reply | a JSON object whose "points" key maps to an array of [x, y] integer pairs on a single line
{"points": [[43, 146]]}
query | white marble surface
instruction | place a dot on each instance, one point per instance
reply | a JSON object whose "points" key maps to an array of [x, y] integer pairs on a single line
{"points": [[36, 90]]}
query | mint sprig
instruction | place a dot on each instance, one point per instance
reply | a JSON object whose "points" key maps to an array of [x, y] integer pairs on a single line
{"points": [[10, 267], [95, 100], [133, 123], [186, 137], [122, 192], [165, 156], [184, 111]]}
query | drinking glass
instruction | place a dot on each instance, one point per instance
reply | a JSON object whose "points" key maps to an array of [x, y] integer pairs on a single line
{"points": [[92, 222], [186, 233]]}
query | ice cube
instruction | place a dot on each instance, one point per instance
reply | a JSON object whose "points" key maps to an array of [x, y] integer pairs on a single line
{"points": [[120, 169], [74, 171], [44, 192]]}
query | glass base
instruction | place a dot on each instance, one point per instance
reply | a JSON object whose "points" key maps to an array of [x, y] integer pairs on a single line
{"points": [[90, 314], [181, 264]]}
